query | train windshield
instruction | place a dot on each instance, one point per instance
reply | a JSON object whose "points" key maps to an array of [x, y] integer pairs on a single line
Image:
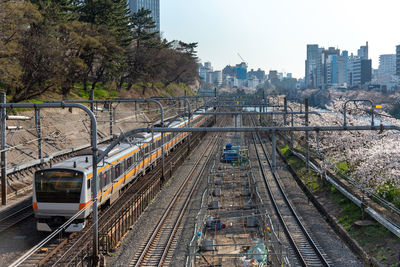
{"points": [[58, 186]]}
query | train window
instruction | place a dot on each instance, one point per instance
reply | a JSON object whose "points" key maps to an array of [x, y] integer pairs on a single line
{"points": [[129, 162], [88, 183], [103, 179], [113, 173], [108, 176], [58, 186], [117, 170]]}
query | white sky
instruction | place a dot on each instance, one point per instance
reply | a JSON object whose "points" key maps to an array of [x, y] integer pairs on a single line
{"points": [[274, 34]]}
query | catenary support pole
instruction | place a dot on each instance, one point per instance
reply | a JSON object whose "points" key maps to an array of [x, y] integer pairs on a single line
{"points": [[38, 123], [273, 152], [215, 105], [307, 135], [110, 111], [92, 100], [3, 152], [285, 110]]}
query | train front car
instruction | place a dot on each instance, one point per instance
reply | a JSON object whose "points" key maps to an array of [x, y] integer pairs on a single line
{"points": [[57, 194]]}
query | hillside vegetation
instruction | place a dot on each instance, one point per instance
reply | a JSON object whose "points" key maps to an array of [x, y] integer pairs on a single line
{"points": [[71, 48]]}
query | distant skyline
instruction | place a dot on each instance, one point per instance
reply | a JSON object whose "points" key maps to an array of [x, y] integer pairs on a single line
{"points": [[274, 34]]}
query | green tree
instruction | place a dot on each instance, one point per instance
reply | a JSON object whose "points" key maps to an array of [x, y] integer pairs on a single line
{"points": [[15, 17], [137, 54], [110, 34]]}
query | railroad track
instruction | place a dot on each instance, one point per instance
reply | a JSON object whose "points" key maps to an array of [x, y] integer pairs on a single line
{"points": [[307, 251], [160, 245], [76, 249], [15, 217]]}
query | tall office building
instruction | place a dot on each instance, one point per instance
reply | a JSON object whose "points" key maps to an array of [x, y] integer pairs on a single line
{"points": [[331, 51], [241, 71], [336, 67], [398, 60], [363, 51], [152, 5], [360, 68], [387, 68], [313, 66], [360, 71], [204, 71]]}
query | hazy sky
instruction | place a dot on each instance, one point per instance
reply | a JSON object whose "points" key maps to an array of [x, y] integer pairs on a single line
{"points": [[274, 34]]}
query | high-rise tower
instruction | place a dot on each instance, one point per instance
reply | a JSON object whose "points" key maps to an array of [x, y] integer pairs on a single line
{"points": [[152, 5]]}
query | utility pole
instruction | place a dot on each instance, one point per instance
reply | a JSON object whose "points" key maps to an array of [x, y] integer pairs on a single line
{"points": [[3, 152]]}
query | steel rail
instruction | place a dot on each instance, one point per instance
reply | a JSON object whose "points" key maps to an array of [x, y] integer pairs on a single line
{"points": [[164, 255], [134, 190], [169, 209], [295, 216], [285, 227], [15, 217]]}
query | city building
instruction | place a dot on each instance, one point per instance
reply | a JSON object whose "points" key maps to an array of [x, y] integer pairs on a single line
{"points": [[360, 71], [313, 66], [241, 71], [363, 51], [273, 77], [366, 71], [387, 68], [259, 74], [229, 71], [336, 70], [329, 68], [253, 82], [216, 77], [331, 51], [152, 5], [205, 72], [208, 65], [398, 61]]}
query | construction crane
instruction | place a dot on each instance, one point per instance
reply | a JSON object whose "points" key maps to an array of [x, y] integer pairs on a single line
{"points": [[242, 59]]}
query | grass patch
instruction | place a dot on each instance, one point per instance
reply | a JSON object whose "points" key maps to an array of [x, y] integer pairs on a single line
{"points": [[343, 167], [390, 192], [350, 213], [310, 178], [285, 151], [100, 92]]}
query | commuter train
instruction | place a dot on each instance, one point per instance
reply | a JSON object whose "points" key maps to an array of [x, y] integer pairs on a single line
{"points": [[62, 190]]}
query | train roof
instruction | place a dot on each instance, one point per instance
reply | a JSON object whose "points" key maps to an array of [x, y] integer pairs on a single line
{"points": [[84, 162]]}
